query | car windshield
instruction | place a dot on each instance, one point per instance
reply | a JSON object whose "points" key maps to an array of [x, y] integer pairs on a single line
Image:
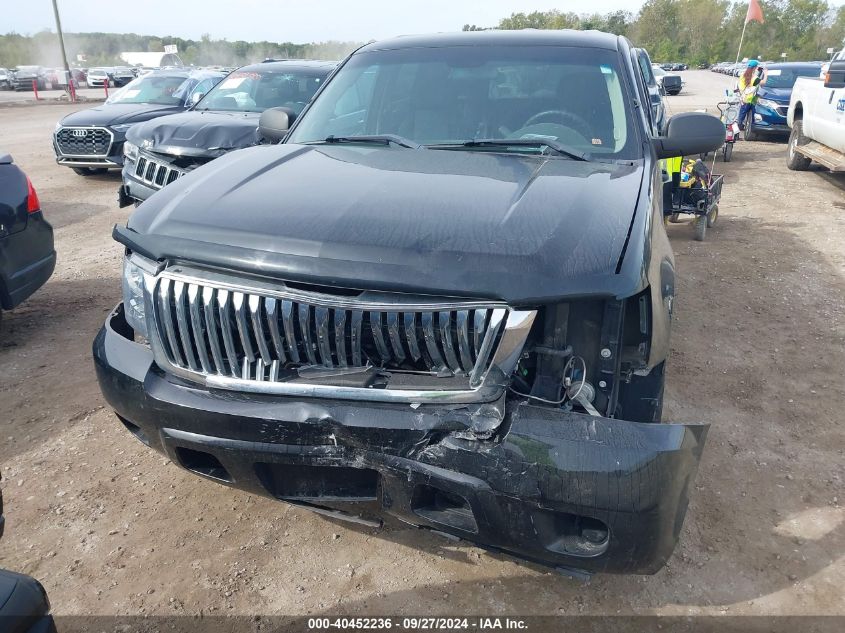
{"points": [[28, 69], [572, 96], [158, 89], [786, 77], [658, 71], [257, 90]]}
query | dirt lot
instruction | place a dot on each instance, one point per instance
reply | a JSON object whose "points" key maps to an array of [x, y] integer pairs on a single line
{"points": [[758, 352]]}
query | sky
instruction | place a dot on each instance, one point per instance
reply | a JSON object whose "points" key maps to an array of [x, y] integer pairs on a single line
{"points": [[300, 21]]}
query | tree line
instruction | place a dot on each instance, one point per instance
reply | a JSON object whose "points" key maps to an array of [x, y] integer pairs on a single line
{"points": [[693, 31], [707, 31]]}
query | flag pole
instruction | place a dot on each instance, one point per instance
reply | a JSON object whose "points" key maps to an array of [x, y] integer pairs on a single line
{"points": [[741, 37]]}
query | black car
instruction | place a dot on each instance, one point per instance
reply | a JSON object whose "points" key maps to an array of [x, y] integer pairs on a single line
{"points": [[27, 77], [27, 257], [159, 152], [446, 296], [91, 141], [24, 607]]}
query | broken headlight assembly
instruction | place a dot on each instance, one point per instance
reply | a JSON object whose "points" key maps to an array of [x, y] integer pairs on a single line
{"points": [[137, 273], [130, 151]]}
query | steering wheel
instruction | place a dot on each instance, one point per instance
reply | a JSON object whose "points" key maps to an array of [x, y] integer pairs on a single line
{"points": [[565, 118]]}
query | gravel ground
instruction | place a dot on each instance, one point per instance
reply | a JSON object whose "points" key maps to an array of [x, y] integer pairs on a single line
{"points": [[112, 528]]}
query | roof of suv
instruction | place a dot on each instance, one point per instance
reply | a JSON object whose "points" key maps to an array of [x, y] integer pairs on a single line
{"points": [[291, 64], [526, 37]]}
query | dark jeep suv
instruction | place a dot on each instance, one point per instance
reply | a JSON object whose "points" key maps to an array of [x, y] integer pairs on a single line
{"points": [[446, 296]]}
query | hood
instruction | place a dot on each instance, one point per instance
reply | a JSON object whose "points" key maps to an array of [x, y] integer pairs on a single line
{"points": [[198, 133], [781, 95], [118, 113], [449, 223]]}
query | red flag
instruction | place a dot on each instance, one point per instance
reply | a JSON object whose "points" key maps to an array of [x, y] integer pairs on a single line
{"points": [[755, 13]]}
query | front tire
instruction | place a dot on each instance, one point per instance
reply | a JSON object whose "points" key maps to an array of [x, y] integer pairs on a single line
{"points": [[700, 227], [727, 152], [750, 133], [795, 160], [712, 216]]}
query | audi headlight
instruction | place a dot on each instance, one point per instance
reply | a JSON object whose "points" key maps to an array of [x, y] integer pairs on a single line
{"points": [[122, 127], [136, 270], [768, 103], [130, 151]]}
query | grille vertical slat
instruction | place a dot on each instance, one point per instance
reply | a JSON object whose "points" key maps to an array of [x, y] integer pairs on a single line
{"points": [[410, 321], [497, 319], [211, 329], [271, 305], [378, 335], [431, 342], [165, 293], [479, 323], [395, 338], [290, 334], [356, 327], [445, 319], [197, 327], [305, 332], [321, 319], [463, 340], [258, 329], [224, 310], [239, 306], [340, 336], [179, 292]]}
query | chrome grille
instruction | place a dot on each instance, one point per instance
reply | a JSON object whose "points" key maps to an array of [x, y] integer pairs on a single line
{"points": [[253, 335], [156, 174], [84, 141]]}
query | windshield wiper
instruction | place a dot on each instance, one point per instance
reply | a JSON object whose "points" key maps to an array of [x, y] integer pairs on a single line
{"points": [[381, 139], [559, 148]]}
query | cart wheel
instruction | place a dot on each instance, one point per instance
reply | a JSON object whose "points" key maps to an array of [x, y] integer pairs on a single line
{"points": [[727, 150], [675, 218], [700, 227], [712, 216]]}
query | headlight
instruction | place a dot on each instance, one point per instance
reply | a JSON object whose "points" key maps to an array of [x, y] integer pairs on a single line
{"points": [[135, 271], [122, 127], [130, 150], [768, 103]]}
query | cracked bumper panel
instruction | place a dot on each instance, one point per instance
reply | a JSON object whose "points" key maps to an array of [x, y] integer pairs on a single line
{"points": [[561, 489]]}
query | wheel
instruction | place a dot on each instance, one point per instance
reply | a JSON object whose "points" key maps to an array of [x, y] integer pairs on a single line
{"points": [[712, 216], [795, 160], [750, 134], [727, 151], [89, 171], [700, 224], [641, 400]]}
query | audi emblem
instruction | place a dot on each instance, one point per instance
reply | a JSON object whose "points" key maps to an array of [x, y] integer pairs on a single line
{"points": [[80, 133]]}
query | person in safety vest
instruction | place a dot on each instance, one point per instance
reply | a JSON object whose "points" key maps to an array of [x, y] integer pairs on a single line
{"points": [[749, 82]]}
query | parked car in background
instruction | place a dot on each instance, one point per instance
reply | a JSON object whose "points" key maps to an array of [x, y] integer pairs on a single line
{"points": [[773, 98], [27, 76], [817, 118], [160, 151], [445, 296], [671, 84], [91, 141], [100, 77], [122, 76], [27, 256], [7, 77]]}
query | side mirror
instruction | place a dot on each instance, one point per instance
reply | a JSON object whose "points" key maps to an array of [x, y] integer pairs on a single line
{"points": [[195, 98], [274, 124], [690, 133]]}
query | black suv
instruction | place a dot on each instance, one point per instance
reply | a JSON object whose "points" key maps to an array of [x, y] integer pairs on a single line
{"points": [[446, 296], [91, 141], [159, 152]]}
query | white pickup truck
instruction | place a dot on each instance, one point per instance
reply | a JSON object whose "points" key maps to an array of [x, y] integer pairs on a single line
{"points": [[817, 118]]}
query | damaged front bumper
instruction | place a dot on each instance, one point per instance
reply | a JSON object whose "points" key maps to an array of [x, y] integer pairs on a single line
{"points": [[554, 487]]}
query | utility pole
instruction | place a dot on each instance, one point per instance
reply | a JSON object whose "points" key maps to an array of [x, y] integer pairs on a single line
{"points": [[62, 42]]}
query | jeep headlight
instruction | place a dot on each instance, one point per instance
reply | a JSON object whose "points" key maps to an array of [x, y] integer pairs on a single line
{"points": [[130, 151], [136, 270]]}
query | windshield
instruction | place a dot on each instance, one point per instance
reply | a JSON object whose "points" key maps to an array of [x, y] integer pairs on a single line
{"points": [[572, 96], [786, 77], [255, 91], [158, 89], [28, 69], [658, 71]]}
